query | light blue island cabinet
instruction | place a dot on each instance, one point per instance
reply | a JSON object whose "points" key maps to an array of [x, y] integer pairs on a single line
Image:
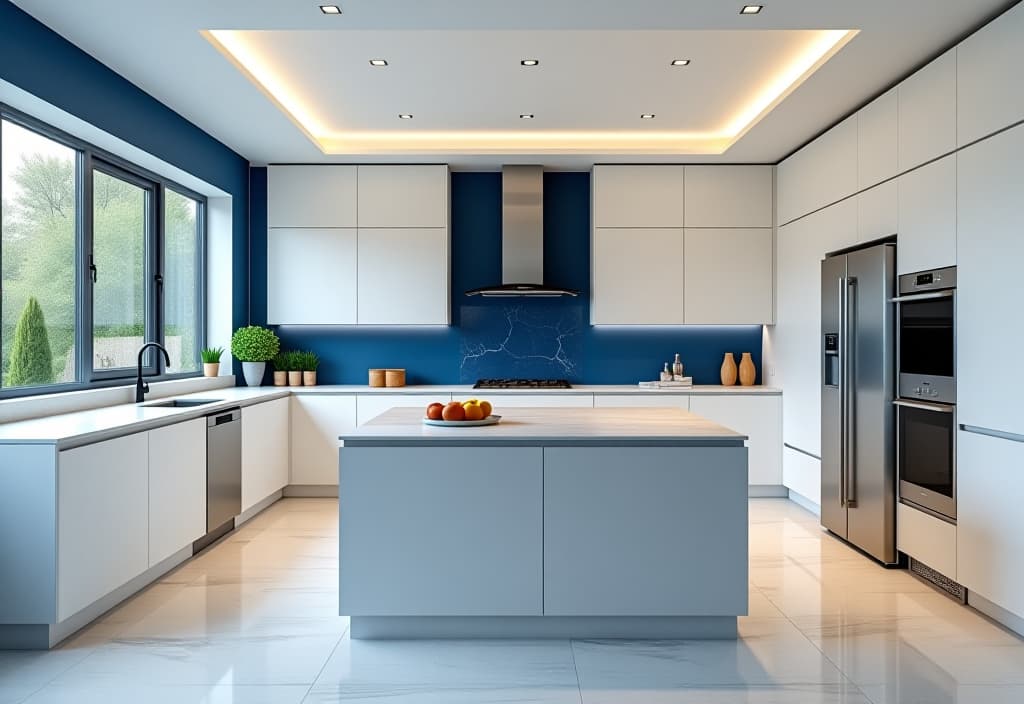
{"points": [[589, 523]]}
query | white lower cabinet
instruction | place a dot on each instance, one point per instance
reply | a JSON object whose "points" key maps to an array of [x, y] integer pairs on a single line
{"points": [[177, 487], [645, 401], [536, 400], [316, 422], [265, 450], [371, 406], [926, 539], [758, 417], [990, 523], [103, 520], [801, 474]]}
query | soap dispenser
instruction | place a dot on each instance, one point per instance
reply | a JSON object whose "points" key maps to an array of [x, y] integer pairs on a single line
{"points": [[677, 369]]}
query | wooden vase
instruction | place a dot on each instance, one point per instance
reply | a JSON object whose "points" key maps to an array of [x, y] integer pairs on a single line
{"points": [[748, 372], [211, 368], [280, 378], [309, 378], [728, 369], [294, 378]]}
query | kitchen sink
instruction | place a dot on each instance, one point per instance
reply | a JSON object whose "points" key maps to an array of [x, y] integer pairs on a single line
{"points": [[183, 402]]}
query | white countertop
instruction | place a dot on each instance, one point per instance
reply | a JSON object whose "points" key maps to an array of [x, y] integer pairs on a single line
{"points": [[542, 425], [581, 389]]}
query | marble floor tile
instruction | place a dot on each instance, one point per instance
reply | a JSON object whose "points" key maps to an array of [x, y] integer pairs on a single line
{"points": [[779, 694], [225, 693], [931, 692]]}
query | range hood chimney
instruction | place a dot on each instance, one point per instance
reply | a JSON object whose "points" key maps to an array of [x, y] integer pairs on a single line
{"points": [[522, 237]]}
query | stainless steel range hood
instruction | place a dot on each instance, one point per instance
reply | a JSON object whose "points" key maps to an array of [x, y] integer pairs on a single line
{"points": [[522, 237]]}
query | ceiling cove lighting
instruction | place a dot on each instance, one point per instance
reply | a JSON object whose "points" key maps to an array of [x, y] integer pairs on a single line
{"points": [[530, 62], [526, 116], [751, 9], [255, 59], [330, 9], [404, 116], [378, 62], [680, 62], [647, 116]]}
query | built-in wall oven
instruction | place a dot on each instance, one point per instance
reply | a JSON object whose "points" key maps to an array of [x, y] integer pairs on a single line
{"points": [[926, 403]]}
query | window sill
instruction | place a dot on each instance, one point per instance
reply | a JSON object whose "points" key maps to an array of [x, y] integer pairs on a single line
{"points": [[25, 407]]}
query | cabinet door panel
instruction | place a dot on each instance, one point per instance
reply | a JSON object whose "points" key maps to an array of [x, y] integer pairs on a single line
{"points": [[316, 423], [877, 150], [823, 172], [403, 196], [988, 64], [637, 277], [642, 401], [103, 520], [372, 405], [177, 487], [729, 196], [757, 417], [638, 196], [990, 249], [311, 276], [265, 450], [990, 524], [878, 211], [927, 217], [311, 196], [539, 400], [461, 529], [927, 112], [728, 276], [403, 277], [617, 522]]}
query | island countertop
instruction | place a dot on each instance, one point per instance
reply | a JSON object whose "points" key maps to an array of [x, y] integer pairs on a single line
{"points": [[549, 427]]}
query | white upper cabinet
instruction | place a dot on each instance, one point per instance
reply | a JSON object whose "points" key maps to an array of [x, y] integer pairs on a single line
{"points": [[637, 277], [927, 217], [177, 487], [311, 276], [990, 249], [988, 91], [878, 212], [638, 196], [728, 276], [927, 112], [311, 196], [877, 158], [823, 172], [403, 196], [728, 196], [403, 276]]}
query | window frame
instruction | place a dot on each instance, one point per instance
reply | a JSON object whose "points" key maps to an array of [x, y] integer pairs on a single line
{"points": [[87, 158]]}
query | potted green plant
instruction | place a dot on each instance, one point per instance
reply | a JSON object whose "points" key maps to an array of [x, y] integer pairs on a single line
{"points": [[308, 362], [211, 360], [281, 364], [294, 370], [254, 346]]}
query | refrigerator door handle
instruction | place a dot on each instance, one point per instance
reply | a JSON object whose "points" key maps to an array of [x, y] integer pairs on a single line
{"points": [[842, 389], [850, 427]]}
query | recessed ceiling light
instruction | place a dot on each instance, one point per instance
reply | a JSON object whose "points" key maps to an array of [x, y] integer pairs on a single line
{"points": [[404, 116], [530, 62], [680, 62], [751, 9], [330, 9], [526, 116], [378, 62], [647, 116]]}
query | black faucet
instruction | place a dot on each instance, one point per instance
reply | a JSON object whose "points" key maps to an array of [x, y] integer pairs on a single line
{"points": [[141, 387]]}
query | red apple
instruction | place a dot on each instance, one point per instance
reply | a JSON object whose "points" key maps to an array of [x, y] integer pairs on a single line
{"points": [[434, 411]]}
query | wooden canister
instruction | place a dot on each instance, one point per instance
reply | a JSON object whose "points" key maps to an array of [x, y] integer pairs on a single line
{"points": [[377, 377], [394, 377]]}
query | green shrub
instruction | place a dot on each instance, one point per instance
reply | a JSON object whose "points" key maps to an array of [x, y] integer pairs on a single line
{"points": [[306, 361], [211, 355], [254, 344], [282, 361], [31, 359]]}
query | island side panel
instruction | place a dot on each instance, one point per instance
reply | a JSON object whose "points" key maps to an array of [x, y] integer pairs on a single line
{"points": [[452, 531], [645, 531]]}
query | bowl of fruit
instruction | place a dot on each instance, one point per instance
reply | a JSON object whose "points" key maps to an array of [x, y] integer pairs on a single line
{"points": [[460, 414]]}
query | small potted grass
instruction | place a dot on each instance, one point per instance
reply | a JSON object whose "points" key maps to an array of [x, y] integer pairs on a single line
{"points": [[308, 362], [211, 360], [294, 370], [281, 366]]}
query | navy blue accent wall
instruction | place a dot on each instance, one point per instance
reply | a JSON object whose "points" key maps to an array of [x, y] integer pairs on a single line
{"points": [[41, 62], [512, 337]]}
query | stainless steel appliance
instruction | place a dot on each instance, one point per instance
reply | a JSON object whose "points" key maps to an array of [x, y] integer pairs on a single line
{"points": [[927, 456], [522, 384], [858, 430], [927, 335], [223, 469]]}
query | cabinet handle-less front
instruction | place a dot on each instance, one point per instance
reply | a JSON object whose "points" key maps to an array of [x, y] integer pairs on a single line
{"points": [[842, 391], [851, 393]]}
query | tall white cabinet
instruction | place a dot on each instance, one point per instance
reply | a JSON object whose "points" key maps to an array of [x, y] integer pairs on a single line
{"points": [[358, 245]]}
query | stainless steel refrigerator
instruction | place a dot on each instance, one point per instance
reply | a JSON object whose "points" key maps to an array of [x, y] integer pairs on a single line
{"points": [[858, 430]]}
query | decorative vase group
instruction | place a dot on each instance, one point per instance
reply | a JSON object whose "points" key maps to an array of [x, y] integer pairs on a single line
{"points": [[747, 372]]}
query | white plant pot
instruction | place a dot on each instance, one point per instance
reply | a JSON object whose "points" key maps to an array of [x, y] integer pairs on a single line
{"points": [[253, 372]]}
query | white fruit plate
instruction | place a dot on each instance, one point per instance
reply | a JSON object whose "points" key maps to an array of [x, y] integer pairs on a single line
{"points": [[489, 420]]}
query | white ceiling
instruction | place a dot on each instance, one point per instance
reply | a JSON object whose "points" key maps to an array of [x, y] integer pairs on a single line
{"points": [[454, 64]]}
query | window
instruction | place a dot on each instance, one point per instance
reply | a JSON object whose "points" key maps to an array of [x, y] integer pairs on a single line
{"points": [[98, 257]]}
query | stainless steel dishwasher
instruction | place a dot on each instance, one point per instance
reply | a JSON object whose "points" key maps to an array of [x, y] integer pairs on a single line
{"points": [[223, 470]]}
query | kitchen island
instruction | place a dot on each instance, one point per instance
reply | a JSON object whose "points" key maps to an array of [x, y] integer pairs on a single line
{"points": [[568, 523]]}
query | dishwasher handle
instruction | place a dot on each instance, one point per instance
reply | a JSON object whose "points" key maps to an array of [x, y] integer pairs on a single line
{"points": [[228, 416]]}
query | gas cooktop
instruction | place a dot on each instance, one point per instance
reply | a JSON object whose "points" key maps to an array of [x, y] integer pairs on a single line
{"points": [[522, 384]]}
